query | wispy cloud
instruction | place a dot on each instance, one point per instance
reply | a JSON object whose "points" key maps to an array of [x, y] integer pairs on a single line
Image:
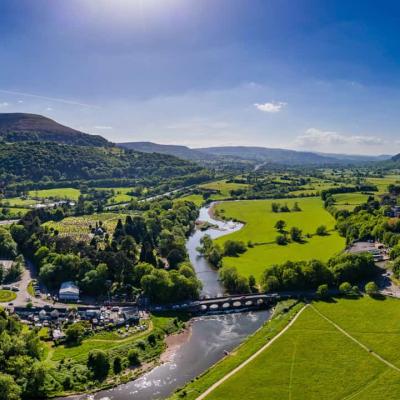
{"points": [[4, 104], [103, 127], [59, 100], [270, 107], [314, 138]]}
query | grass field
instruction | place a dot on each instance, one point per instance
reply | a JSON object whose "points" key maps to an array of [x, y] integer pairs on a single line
{"points": [[78, 227], [259, 229], [317, 360], [18, 202], [15, 212], [383, 183], [348, 201], [7, 295], [195, 198], [120, 195], [61, 193], [223, 187]]}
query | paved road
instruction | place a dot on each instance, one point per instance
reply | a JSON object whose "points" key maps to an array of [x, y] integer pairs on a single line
{"points": [[8, 221]]}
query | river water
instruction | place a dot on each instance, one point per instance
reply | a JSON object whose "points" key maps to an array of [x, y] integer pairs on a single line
{"points": [[210, 336]]}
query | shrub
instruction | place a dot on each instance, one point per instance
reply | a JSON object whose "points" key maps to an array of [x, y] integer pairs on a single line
{"points": [[322, 291], [133, 357], [371, 288]]}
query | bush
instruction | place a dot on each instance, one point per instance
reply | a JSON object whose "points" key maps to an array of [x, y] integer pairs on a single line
{"points": [[345, 288], [322, 230], [117, 365], [133, 357], [75, 333], [295, 234], [233, 248], [322, 291], [371, 288], [281, 240], [98, 363]]}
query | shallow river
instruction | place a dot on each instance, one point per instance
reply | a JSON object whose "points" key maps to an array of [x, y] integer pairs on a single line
{"points": [[210, 335]]}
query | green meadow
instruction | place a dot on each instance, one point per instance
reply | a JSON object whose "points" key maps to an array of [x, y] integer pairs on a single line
{"points": [[60, 193], [223, 187], [120, 195], [383, 183], [260, 230], [194, 198], [314, 359], [348, 201]]}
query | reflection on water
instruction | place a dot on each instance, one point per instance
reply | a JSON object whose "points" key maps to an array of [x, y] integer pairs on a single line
{"points": [[210, 335]]}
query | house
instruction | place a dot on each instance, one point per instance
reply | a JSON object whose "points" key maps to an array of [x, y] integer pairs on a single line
{"points": [[68, 292]]}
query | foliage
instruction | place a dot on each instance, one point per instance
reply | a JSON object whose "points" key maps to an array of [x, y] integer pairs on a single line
{"points": [[371, 288], [99, 364]]}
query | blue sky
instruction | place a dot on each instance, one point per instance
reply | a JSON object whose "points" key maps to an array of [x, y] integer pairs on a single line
{"points": [[316, 75]]}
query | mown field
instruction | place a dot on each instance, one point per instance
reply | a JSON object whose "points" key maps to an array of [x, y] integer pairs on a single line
{"points": [[383, 183], [314, 359], [223, 187], [260, 230], [195, 198], [60, 193], [7, 295], [348, 201], [79, 227]]}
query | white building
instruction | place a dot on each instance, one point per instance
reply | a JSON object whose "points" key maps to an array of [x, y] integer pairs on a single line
{"points": [[68, 292]]}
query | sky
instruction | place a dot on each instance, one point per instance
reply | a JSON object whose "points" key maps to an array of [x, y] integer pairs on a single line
{"points": [[313, 75]]}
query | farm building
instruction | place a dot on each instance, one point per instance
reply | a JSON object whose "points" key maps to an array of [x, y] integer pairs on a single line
{"points": [[69, 292]]}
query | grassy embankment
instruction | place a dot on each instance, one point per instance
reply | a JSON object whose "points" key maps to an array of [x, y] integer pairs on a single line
{"points": [[345, 349], [6, 296], [283, 314], [260, 230]]}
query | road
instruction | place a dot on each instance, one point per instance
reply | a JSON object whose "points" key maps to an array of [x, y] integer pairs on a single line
{"points": [[8, 221]]}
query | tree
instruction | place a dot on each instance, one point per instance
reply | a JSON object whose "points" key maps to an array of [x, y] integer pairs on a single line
{"points": [[9, 390], [281, 240], [322, 230], [280, 225], [232, 248], [75, 333], [371, 288], [275, 207], [296, 207], [99, 364], [133, 357], [295, 234], [117, 365], [345, 288], [322, 291], [252, 283]]}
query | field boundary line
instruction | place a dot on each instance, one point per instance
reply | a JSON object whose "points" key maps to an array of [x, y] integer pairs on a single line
{"points": [[362, 345], [251, 358]]}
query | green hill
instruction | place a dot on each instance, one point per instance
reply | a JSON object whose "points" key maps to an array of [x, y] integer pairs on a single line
{"points": [[40, 161], [18, 127]]}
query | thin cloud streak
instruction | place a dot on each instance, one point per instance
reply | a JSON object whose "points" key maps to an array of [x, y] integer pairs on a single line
{"points": [[36, 96]]}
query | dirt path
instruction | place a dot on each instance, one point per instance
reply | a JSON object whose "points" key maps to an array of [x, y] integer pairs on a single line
{"points": [[250, 359], [363, 346]]}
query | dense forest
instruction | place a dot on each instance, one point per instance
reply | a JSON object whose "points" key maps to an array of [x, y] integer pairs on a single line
{"points": [[51, 161]]}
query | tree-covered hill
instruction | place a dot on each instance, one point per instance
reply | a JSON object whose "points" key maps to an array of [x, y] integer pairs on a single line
{"points": [[18, 127], [36, 161]]}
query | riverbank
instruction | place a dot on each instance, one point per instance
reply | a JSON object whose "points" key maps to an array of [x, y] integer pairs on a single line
{"points": [[283, 314]]}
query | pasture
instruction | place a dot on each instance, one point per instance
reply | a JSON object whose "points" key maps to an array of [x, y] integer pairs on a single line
{"points": [[223, 187], [383, 183], [194, 198], [120, 195], [348, 201], [346, 349], [260, 230], [56, 194]]}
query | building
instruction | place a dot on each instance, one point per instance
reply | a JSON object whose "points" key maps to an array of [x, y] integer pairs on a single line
{"points": [[68, 292]]}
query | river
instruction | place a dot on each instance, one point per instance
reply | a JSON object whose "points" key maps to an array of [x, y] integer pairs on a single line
{"points": [[210, 336]]}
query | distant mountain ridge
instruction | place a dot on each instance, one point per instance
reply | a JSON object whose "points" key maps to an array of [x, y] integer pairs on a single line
{"points": [[250, 153], [22, 127]]}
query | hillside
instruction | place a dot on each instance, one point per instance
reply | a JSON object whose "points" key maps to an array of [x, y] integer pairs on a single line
{"points": [[251, 154], [36, 161], [18, 127], [178, 151]]}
